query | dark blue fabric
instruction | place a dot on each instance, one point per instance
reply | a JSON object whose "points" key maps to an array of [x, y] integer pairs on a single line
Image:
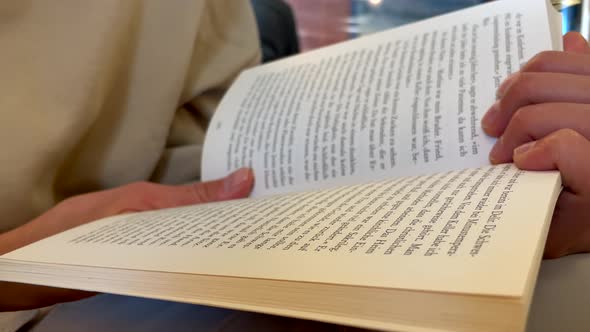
{"points": [[277, 29]]}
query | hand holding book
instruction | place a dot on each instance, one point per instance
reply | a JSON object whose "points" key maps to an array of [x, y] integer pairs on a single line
{"points": [[543, 123], [82, 209], [135, 197]]}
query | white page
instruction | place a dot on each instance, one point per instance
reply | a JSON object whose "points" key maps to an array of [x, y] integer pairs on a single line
{"points": [[470, 231], [402, 102]]}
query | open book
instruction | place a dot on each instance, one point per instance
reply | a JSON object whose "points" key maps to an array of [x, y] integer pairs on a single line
{"points": [[374, 204]]}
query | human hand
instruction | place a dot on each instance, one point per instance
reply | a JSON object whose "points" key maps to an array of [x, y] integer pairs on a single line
{"points": [[135, 197], [82, 209], [542, 120]]}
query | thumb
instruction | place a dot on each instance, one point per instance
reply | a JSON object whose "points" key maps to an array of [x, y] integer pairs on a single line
{"points": [[574, 42], [237, 185], [565, 150], [150, 196]]}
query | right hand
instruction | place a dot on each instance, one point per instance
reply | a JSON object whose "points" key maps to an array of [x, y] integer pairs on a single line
{"points": [[542, 120]]}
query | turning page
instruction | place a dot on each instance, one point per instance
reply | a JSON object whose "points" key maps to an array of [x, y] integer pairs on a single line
{"points": [[402, 102]]}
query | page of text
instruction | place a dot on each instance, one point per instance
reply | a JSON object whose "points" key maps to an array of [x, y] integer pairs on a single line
{"points": [[403, 102], [444, 232]]}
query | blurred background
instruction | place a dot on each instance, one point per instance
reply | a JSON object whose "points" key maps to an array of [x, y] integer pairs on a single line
{"points": [[324, 22]]}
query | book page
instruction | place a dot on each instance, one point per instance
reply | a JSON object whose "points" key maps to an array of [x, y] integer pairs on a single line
{"points": [[470, 231], [403, 102]]}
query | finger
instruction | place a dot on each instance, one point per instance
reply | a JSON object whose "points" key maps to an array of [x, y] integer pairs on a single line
{"points": [[150, 196], [533, 122], [535, 88], [237, 185], [554, 62], [574, 61], [565, 150], [576, 43]]}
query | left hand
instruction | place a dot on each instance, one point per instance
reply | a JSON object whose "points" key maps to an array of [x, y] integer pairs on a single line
{"points": [[135, 197], [542, 120], [78, 210]]}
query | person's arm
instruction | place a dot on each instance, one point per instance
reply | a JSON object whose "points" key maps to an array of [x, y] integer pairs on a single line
{"points": [[85, 208], [542, 120]]}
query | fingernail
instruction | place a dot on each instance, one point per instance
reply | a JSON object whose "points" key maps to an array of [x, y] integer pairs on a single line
{"points": [[490, 117], [236, 181], [505, 85], [524, 148], [495, 151]]}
